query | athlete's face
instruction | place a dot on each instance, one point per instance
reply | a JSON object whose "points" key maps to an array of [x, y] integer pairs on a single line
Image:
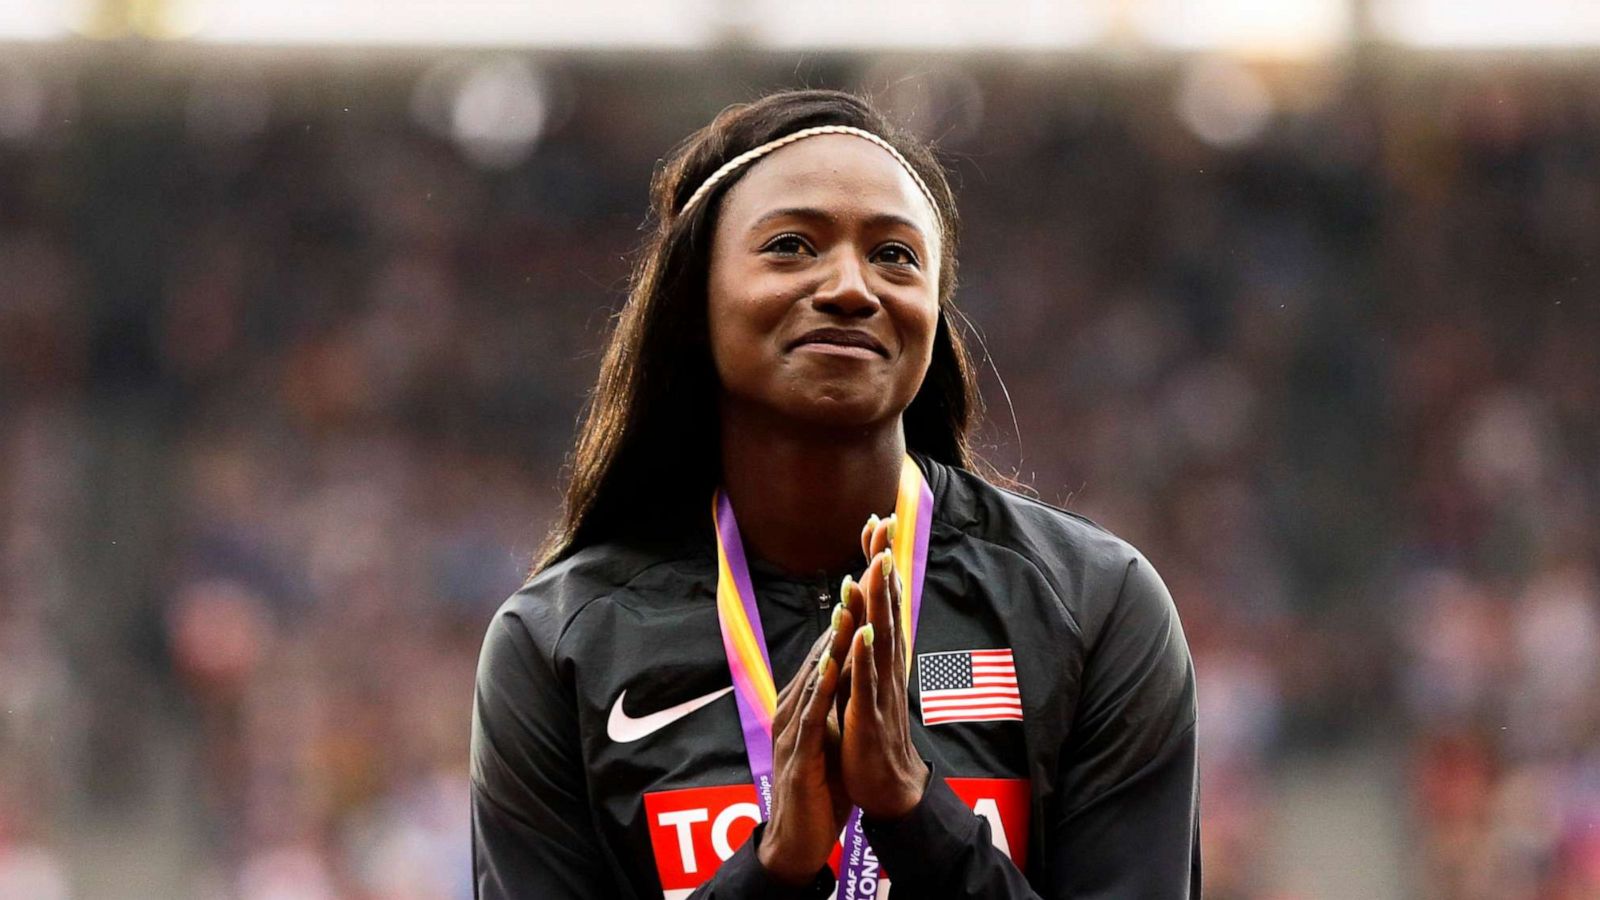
{"points": [[823, 287]]}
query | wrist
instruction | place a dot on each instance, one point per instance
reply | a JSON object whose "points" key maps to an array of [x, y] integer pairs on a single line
{"points": [[899, 802], [779, 864]]}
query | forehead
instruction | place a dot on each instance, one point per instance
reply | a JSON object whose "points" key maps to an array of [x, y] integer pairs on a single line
{"points": [[836, 172]]}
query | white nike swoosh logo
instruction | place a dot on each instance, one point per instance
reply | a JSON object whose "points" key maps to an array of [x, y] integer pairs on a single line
{"points": [[623, 728]]}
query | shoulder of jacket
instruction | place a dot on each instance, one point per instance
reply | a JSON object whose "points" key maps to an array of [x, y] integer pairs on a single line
{"points": [[554, 596], [1086, 565], [1047, 534]]}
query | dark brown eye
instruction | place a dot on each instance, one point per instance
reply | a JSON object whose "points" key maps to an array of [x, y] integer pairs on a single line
{"points": [[897, 255], [787, 245]]}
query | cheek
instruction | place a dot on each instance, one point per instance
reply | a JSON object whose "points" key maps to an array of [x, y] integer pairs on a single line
{"points": [[739, 318], [920, 331], [742, 317], [733, 350], [726, 311]]}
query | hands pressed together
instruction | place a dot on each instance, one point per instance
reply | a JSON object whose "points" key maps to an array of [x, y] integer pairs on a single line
{"points": [[841, 735]]}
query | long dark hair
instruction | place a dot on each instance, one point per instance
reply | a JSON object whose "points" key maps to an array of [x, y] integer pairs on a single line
{"points": [[647, 454]]}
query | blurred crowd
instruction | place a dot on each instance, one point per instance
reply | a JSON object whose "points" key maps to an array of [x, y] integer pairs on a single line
{"points": [[287, 377]]}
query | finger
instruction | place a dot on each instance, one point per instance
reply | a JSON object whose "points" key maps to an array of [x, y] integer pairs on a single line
{"points": [[864, 683], [819, 700], [844, 635], [798, 735], [841, 691], [877, 584], [897, 650], [882, 535], [786, 722], [784, 711], [853, 598], [867, 532], [811, 724], [789, 698], [785, 696], [843, 629], [815, 651], [869, 588]]}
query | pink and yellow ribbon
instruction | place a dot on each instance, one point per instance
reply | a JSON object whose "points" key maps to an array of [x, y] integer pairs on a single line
{"points": [[744, 643]]}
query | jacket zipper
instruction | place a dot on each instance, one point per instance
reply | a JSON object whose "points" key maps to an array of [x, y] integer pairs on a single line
{"points": [[824, 603]]}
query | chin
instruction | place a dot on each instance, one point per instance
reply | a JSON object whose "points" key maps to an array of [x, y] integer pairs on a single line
{"points": [[823, 400], [854, 409]]}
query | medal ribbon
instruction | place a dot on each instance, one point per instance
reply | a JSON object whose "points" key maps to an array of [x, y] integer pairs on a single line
{"points": [[746, 645]]}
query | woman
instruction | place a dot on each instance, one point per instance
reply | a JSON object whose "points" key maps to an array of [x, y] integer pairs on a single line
{"points": [[994, 700]]}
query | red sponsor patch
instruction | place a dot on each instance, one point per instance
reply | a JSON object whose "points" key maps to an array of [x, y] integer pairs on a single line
{"points": [[693, 830], [1004, 802]]}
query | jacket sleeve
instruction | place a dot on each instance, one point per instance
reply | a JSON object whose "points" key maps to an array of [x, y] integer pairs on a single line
{"points": [[532, 833], [942, 849], [1128, 821]]}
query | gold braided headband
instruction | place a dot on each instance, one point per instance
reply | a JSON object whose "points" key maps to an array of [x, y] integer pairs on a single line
{"points": [[749, 156]]}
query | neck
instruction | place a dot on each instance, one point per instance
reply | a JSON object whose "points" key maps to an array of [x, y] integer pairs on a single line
{"points": [[803, 494]]}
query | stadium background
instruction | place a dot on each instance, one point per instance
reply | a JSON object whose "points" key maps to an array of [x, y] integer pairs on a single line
{"points": [[295, 326]]}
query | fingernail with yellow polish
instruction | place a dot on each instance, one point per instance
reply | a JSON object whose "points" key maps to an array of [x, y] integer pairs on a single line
{"points": [[872, 521], [844, 588], [838, 611], [866, 634], [888, 564], [822, 664]]}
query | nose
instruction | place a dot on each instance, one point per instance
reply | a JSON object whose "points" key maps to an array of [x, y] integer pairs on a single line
{"points": [[844, 292]]}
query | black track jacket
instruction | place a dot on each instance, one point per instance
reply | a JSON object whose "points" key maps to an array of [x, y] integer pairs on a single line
{"points": [[608, 761]]}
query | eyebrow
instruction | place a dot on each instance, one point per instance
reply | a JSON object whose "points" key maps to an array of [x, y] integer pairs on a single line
{"points": [[822, 215]]}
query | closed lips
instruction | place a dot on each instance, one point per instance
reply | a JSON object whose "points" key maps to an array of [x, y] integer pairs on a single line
{"points": [[842, 336]]}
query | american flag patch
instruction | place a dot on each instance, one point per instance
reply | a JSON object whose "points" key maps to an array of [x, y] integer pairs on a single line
{"points": [[968, 686]]}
